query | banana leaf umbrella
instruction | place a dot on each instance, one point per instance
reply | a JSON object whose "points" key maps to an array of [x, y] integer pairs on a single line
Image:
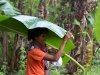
{"points": [[21, 23]]}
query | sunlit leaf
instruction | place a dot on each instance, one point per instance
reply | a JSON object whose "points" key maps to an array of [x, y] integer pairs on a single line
{"points": [[21, 23], [97, 24], [65, 60], [76, 22], [91, 19], [89, 25]]}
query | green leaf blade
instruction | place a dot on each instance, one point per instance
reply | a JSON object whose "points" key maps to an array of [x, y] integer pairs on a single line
{"points": [[97, 24], [76, 22], [8, 8]]}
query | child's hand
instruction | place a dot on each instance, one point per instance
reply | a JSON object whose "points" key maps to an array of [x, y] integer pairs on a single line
{"points": [[68, 36]]}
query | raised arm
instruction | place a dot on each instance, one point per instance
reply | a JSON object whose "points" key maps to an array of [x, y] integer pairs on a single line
{"points": [[58, 54]]}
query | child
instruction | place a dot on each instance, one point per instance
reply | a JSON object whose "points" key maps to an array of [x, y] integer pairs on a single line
{"points": [[36, 55]]}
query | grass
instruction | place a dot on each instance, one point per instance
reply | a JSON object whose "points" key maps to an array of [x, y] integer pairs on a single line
{"points": [[95, 70], [95, 65]]}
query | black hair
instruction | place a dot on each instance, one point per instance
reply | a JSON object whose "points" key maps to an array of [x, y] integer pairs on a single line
{"points": [[32, 33]]}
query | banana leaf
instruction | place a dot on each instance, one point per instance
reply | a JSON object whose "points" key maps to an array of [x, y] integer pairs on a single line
{"points": [[97, 24], [8, 8], [21, 23]]}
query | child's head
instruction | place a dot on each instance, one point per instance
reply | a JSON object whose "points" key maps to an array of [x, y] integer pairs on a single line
{"points": [[33, 33]]}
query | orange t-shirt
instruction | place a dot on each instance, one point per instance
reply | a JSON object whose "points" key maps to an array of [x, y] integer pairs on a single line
{"points": [[35, 62]]}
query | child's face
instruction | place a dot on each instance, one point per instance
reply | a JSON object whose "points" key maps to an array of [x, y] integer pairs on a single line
{"points": [[41, 39]]}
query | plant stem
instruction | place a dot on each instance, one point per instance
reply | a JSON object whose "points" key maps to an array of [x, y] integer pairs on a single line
{"points": [[89, 36], [75, 61]]}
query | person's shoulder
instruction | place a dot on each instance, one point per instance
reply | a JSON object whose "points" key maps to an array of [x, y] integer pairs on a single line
{"points": [[35, 50]]}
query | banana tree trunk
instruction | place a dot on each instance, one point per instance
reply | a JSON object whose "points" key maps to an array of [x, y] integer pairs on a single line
{"points": [[79, 9]]}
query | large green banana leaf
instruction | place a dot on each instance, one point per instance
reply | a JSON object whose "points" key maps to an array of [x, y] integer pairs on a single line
{"points": [[97, 24], [21, 23], [8, 8]]}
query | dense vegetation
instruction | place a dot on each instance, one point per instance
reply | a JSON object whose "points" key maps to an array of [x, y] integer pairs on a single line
{"points": [[77, 16]]}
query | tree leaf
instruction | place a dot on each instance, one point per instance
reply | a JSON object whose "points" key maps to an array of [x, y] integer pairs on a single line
{"points": [[89, 25], [76, 22], [91, 18], [8, 8], [97, 24], [21, 23], [68, 10]]}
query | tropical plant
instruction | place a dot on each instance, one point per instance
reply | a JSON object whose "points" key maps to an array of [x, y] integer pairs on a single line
{"points": [[22, 62], [97, 24], [89, 46], [8, 8]]}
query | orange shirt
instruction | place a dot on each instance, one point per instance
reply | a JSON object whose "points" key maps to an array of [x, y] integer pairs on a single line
{"points": [[35, 62]]}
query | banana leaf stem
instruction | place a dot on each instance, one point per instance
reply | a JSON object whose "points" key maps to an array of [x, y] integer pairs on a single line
{"points": [[75, 61]]}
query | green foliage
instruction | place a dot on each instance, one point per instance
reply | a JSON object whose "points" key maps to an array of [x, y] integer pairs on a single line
{"points": [[11, 25], [76, 22], [54, 15], [96, 58], [3, 70], [12, 12], [95, 70], [97, 24], [54, 37], [32, 5], [54, 72], [22, 62], [7, 22], [35, 8], [8, 8], [95, 65], [91, 19], [83, 33], [57, 70]]}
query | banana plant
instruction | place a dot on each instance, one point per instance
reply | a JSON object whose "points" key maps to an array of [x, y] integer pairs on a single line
{"points": [[21, 23], [8, 8]]}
